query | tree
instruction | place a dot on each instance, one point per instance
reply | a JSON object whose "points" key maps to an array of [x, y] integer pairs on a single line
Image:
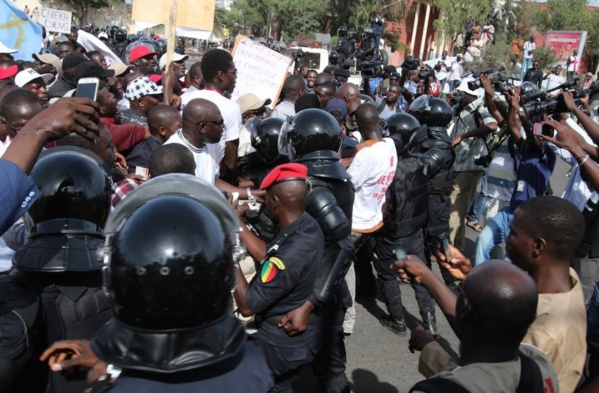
{"points": [[454, 14], [82, 7]]}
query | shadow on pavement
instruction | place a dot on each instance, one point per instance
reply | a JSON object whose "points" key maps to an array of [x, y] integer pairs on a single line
{"points": [[365, 381]]}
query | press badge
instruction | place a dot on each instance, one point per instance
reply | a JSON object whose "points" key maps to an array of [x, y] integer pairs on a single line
{"points": [[520, 186]]}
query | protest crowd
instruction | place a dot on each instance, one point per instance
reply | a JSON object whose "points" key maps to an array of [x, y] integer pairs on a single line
{"points": [[162, 236]]}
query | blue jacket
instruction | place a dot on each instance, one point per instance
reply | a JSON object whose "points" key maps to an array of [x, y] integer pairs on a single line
{"points": [[17, 194]]}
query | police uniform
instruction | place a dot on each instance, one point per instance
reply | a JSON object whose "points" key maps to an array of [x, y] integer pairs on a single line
{"points": [[285, 281]]}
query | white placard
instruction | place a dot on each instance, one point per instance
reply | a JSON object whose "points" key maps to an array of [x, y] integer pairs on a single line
{"points": [[260, 70], [55, 20]]}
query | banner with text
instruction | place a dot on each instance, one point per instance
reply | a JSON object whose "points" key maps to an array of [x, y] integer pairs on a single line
{"points": [[565, 42], [55, 20], [260, 70]]}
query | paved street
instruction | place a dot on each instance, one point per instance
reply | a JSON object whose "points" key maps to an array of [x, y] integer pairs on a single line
{"points": [[378, 360]]}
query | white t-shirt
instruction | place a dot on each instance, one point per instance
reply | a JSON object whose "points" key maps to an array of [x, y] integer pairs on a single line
{"points": [[372, 172], [554, 80], [573, 66], [456, 71], [229, 110], [442, 73], [528, 47], [206, 158]]}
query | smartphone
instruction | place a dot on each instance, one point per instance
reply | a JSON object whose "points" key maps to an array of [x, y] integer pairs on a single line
{"points": [[87, 88], [543, 129]]}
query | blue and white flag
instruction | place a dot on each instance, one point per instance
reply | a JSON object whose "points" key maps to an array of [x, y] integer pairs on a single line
{"points": [[19, 31]]}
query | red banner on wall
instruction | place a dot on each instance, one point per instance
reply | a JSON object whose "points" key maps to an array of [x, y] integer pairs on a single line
{"points": [[564, 43]]}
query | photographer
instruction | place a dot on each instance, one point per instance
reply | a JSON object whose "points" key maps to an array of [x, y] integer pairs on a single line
{"points": [[535, 164], [473, 123]]}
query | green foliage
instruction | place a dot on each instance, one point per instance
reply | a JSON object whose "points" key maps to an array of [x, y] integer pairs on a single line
{"points": [[81, 7], [564, 15], [454, 14]]}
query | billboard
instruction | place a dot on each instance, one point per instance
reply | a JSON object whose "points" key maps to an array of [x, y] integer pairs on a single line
{"points": [[565, 42]]}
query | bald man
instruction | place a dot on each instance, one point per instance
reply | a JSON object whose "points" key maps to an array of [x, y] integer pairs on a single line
{"points": [[290, 265], [491, 316], [350, 93], [17, 108], [202, 129]]}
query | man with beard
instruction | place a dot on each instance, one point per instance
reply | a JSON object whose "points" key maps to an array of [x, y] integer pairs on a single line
{"points": [[143, 59], [391, 104]]}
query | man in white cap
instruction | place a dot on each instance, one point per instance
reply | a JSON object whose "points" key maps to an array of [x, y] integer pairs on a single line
{"points": [[30, 80], [177, 58], [6, 53], [47, 63], [473, 124]]}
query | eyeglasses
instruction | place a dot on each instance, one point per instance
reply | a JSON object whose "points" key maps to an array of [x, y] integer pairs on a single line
{"points": [[12, 127], [220, 123], [393, 79], [234, 72]]}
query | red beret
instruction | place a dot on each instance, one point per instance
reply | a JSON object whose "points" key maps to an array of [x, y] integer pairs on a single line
{"points": [[284, 172], [9, 72]]}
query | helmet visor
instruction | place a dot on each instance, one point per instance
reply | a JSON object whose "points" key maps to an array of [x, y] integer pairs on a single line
{"points": [[284, 145]]}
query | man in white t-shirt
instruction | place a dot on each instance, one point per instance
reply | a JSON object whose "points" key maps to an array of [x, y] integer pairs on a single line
{"points": [[371, 171], [554, 79], [572, 66], [220, 74], [442, 70], [201, 132], [527, 56]]}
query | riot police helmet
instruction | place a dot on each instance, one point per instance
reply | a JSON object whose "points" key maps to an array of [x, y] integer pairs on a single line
{"points": [[309, 131], [265, 139], [333, 57], [401, 126], [170, 255], [120, 35], [352, 33], [342, 31]]}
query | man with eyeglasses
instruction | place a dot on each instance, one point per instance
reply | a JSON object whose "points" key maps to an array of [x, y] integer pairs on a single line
{"points": [[220, 76]]}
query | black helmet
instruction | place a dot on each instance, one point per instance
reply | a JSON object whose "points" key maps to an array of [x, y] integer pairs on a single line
{"points": [[69, 214], [351, 33], [170, 255], [526, 90], [265, 139], [311, 130], [131, 38], [120, 35], [368, 33], [434, 112], [162, 44], [342, 31], [401, 126], [333, 57]]}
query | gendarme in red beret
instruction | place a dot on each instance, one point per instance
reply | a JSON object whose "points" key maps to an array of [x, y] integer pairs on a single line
{"points": [[284, 172]]}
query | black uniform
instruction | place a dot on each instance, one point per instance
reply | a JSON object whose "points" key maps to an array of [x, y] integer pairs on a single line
{"points": [[344, 48], [328, 178], [285, 282]]}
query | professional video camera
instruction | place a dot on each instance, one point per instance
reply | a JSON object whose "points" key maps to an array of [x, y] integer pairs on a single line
{"points": [[539, 103], [492, 73], [410, 63]]}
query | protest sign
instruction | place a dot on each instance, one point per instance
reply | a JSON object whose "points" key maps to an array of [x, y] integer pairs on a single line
{"points": [[260, 70], [193, 14], [92, 43], [55, 20]]}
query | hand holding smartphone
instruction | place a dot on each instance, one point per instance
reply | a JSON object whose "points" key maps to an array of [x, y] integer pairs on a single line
{"points": [[87, 88]]}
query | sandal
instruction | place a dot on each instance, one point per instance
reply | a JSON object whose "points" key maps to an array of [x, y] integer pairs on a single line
{"points": [[474, 225]]}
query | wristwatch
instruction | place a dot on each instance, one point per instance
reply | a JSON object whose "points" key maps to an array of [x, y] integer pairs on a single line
{"points": [[251, 198]]}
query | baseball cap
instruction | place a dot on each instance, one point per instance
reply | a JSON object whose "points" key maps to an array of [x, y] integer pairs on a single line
{"points": [[140, 51], [47, 58], [176, 57], [26, 76], [155, 78], [73, 59], [6, 49], [91, 69], [250, 101], [337, 107], [119, 68], [464, 87], [103, 35], [284, 172], [9, 72], [141, 87]]}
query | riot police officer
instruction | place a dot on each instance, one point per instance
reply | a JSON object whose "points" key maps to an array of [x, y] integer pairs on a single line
{"points": [[120, 42], [170, 251], [313, 138], [343, 47], [436, 114], [353, 41], [369, 45], [56, 280], [402, 232]]}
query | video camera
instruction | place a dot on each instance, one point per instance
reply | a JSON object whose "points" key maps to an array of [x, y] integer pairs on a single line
{"points": [[493, 74], [410, 63], [424, 73], [372, 68], [538, 103]]}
